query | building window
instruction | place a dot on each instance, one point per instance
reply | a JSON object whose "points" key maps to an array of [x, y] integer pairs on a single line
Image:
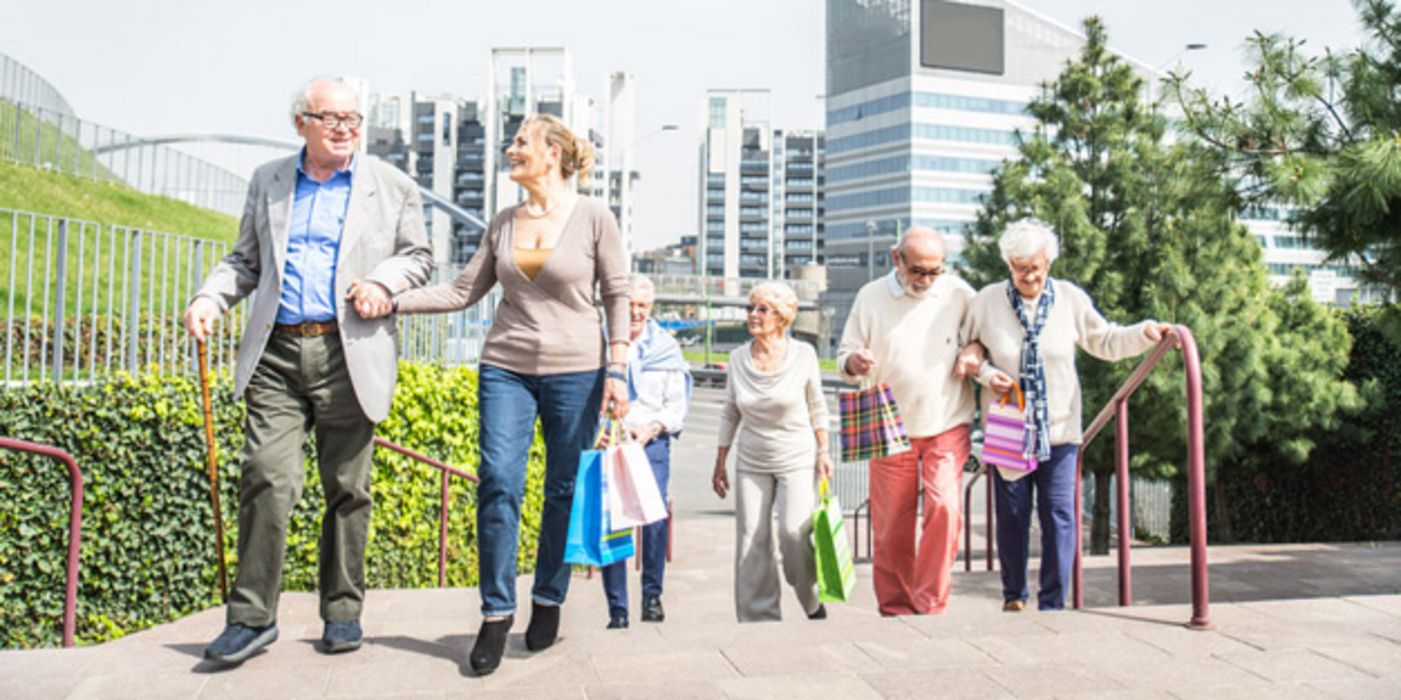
{"points": [[717, 112]]}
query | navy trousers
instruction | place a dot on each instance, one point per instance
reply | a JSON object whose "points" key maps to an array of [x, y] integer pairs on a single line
{"points": [[1053, 486]]}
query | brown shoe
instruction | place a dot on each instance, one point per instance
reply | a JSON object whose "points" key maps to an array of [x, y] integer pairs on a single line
{"points": [[1014, 606]]}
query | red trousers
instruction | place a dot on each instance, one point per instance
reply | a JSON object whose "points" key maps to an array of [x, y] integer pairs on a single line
{"points": [[909, 579]]}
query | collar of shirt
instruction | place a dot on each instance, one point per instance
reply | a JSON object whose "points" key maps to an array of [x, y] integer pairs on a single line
{"points": [[348, 172], [892, 282]]}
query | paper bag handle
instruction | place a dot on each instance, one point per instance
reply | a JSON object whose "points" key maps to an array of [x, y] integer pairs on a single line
{"points": [[1021, 399]]}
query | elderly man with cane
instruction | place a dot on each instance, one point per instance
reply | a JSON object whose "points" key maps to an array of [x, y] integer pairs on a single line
{"points": [[326, 240]]}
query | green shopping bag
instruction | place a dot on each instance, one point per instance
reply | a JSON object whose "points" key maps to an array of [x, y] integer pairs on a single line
{"points": [[836, 573]]}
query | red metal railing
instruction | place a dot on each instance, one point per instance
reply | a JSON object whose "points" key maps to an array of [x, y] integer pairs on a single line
{"points": [[1118, 409], [75, 525], [448, 471]]}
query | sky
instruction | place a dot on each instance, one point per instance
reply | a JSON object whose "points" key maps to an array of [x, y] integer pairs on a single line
{"points": [[161, 66]]}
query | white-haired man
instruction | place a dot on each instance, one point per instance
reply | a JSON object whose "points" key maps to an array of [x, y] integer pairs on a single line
{"points": [[322, 231], [904, 330], [659, 394]]}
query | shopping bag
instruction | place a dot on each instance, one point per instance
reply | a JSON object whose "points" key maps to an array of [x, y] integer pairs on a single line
{"points": [[871, 424], [1009, 442], [836, 573], [633, 496], [592, 538]]}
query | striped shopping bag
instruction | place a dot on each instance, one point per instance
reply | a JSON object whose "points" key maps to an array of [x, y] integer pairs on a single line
{"points": [[1009, 441], [871, 424]]}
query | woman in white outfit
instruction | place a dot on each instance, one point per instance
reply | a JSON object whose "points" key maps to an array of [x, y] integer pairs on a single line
{"points": [[774, 403]]}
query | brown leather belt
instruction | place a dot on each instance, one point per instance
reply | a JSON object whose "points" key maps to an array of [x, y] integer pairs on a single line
{"points": [[308, 329]]}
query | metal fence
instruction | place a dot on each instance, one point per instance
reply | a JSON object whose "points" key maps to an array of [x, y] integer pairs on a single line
{"points": [[18, 83], [82, 300]]}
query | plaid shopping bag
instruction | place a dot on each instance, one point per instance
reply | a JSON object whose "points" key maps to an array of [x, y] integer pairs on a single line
{"points": [[1009, 442], [871, 424]]}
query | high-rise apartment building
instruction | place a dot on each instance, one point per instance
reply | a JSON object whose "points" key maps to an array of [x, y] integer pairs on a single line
{"points": [[761, 202]]}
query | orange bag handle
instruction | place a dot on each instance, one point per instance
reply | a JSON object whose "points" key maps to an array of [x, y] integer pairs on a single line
{"points": [[1021, 399]]}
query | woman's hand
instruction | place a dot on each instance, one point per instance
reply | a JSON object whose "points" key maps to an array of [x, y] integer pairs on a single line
{"points": [[1000, 381], [615, 398], [1157, 331], [824, 464], [720, 481]]}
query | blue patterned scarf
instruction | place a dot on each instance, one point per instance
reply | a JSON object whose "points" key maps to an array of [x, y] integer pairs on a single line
{"points": [[1033, 369]]}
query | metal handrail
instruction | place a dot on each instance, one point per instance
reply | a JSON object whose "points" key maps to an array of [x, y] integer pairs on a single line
{"points": [[448, 472], [75, 525], [1117, 407]]}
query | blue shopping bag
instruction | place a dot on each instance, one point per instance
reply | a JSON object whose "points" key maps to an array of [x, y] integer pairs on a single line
{"points": [[592, 541]]}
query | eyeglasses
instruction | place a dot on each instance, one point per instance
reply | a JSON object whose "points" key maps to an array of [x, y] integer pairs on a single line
{"points": [[760, 309], [334, 121], [918, 271]]}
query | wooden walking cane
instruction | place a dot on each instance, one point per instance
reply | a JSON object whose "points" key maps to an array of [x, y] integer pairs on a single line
{"points": [[213, 469]]}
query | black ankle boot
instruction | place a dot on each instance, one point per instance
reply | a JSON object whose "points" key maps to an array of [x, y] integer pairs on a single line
{"points": [[491, 644], [543, 627]]}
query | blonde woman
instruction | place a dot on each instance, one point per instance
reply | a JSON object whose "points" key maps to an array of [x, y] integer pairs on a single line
{"points": [[544, 358], [776, 415]]}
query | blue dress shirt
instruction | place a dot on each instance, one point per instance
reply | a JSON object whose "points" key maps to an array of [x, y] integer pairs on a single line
{"points": [[313, 243]]}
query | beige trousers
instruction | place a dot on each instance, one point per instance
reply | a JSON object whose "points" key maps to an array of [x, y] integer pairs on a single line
{"points": [[758, 497]]}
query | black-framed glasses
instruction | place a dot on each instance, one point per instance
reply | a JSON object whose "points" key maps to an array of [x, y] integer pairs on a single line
{"points": [[330, 120], [917, 271]]}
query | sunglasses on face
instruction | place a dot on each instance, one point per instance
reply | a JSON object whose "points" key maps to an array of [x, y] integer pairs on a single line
{"points": [[760, 309], [917, 271]]}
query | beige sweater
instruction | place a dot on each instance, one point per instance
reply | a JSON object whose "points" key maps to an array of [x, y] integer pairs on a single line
{"points": [[915, 341], [1072, 321], [548, 325], [775, 413]]}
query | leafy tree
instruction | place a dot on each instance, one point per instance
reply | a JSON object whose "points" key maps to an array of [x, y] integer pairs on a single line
{"points": [[1320, 134], [1149, 230]]}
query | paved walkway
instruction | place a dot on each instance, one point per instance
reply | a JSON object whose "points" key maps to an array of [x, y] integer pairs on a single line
{"points": [[1309, 621]]}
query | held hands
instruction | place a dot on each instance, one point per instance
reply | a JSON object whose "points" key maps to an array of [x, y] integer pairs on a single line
{"points": [[970, 358], [200, 317], [860, 362], [371, 299]]}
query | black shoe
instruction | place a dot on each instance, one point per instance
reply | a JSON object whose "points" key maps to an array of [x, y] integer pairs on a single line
{"points": [[337, 637], [618, 621], [491, 644], [239, 641], [819, 614], [543, 628], [652, 609]]}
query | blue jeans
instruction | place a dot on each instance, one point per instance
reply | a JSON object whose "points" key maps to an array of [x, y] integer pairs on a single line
{"points": [[615, 575], [508, 404], [1054, 486]]}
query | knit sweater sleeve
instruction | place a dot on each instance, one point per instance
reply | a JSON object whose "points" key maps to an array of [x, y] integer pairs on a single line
{"points": [[817, 404], [1099, 337], [854, 335], [729, 413]]}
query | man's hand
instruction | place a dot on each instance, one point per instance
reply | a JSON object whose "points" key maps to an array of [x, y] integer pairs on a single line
{"points": [[970, 358], [200, 317], [860, 362], [371, 299], [645, 434]]}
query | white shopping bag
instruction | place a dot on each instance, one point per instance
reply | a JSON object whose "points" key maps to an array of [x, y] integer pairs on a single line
{"points": [[633, 496]]}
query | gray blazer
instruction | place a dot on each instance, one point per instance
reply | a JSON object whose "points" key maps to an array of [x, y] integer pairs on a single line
{"points": [[383, 240]]}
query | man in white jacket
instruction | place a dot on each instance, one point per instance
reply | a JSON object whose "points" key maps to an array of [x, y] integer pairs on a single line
{"points": [[904, 330]]}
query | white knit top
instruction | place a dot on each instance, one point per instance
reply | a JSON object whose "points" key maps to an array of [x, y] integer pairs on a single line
{"points": [[775, 413]]}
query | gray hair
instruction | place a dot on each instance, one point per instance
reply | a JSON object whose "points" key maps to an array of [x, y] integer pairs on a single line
{"points": [[1025, 238], [642, 287], [919, 232], [779, 295], [301, 99]]}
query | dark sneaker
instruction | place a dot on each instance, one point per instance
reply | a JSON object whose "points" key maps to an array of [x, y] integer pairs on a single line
{"points": [[543, 628], [819, 614], [239, 641], [618, 621], [337, 637], [491, 644], [652, 609]]}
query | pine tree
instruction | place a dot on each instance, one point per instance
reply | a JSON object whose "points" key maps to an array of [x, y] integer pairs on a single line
{"points": [[1149, 230]]}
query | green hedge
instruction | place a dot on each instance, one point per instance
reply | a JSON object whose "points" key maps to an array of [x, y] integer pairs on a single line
{"points": [[148, 552], [1350, 487]]}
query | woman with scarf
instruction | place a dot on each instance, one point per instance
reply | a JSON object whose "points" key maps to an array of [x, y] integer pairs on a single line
{"points": [[1031, 326], [659, 393]]}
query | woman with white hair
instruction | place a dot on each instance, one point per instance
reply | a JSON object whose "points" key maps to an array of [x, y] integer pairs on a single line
{"points": [[1031, 326], [774, 403]]}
